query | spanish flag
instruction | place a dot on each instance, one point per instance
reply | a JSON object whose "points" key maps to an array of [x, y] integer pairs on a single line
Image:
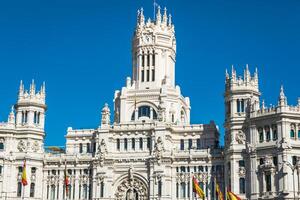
{"points": [[24, 177], [218, 191], [232, 196], [197, 189]]}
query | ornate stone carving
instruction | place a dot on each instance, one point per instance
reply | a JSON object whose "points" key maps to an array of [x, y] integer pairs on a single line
{"points": [[131, 187], [102, 151], [35, 146], [158, 149], [22, 146], [240, 137], [105, 120]]}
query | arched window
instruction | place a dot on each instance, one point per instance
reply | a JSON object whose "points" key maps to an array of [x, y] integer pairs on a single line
{"points": [[148, 58], [32, 189], [242, 105], [125, 144], [141, 143], [292, 131], [144, 111], [148, 142], [118, 144], [133, 143], [35, 117], [238, 105], [242, 186], [153, 59]]}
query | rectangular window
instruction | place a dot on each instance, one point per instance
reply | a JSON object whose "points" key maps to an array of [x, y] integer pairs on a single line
{"points": [[190, 143], [148, 142], [274, 134], [143, 60], [198, 144], [153, 75], [141, 143], [242, 186], [261, 137], [242, 105], [148, 59], [125, 144], [238, 106], [268, 182], [181, 144], [241, 163], [153, 59], [19, 189], [133, 143], [143, 76], [275, 161], [148, 75], [294, 158], [88, 148], [118, 144], [159, 188]]}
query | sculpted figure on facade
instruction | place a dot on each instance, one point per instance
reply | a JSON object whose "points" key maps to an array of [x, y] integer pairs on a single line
{"points": [[105, 115], [158, 149]]}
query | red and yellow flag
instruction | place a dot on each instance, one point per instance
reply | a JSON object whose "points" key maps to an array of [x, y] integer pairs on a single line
{"points": [[197, 189], [24, 177], [218, 191], [232, 196]]}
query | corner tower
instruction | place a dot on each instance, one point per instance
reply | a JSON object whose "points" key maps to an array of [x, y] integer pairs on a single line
{"points": [[241, 96], [154, 51]]}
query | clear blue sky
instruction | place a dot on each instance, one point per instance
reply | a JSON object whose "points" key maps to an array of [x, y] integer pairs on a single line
{"points": [[82, 49]]}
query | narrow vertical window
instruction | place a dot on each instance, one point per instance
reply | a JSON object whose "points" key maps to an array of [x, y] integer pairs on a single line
{"points": [[143, 75], [148, 75], [143, 60], [159, 188], [153, 59], [148, 142], [141, 143], [133, 143], [34, 117], [238, 106], [242, 186], [242, 105], [198, 143], [125, 144], [19, 189], [85, 191], [148, 59], [190, 143], [177, 190], [182, 190], [102, 189], [182, 144], [118, 144], [80, 148], [88, 148], [38, 117], [268, 182], [292, 133], [153, 75]]}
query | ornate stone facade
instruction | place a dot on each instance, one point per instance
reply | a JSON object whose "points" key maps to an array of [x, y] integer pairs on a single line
{"points": [[150, 150]]}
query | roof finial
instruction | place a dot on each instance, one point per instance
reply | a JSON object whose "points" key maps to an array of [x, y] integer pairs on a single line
{"points": [[170, 20], [141, 18], [158, 16], [32, 88], [165, 17], [21, 88], [282, 98]]}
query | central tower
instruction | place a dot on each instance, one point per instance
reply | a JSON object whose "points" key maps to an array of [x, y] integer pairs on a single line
{"points": [[151, 94], [154, 51]]}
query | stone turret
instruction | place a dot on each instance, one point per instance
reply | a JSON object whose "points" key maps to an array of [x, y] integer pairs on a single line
{"points": [[30, 107]]}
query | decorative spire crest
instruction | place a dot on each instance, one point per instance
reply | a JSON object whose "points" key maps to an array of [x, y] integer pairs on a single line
{"points": [[158, 16], [32, 88], [165, 17], [170, 20], [282, 97], [11, 116]]}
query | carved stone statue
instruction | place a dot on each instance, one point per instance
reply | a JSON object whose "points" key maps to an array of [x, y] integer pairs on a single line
{"points": [[105, 120], [158, 149]]}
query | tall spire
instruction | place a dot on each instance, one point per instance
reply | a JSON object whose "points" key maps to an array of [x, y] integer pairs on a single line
{"points": [[247, 76], [32, 88], [21, 88], [158, 16], [141, 17], [170, 20], [165, 17]]}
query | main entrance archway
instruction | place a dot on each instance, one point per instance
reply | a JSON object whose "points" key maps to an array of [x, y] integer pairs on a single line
{"points": [[131, 188]]}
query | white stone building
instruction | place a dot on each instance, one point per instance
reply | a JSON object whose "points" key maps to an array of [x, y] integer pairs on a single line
{"points": [[150, 150]]}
